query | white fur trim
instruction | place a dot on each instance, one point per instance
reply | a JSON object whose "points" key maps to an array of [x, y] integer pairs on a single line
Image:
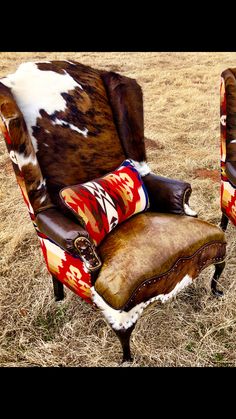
{"points": [[142, 167], [189, 211], [34, 89], [120, 319], [233, 141]]}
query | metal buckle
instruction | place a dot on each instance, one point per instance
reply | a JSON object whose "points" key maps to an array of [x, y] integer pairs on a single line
{"points": [[87, 253]]}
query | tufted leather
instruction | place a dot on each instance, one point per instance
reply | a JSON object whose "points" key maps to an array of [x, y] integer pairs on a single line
{"points": [[148, 246]]}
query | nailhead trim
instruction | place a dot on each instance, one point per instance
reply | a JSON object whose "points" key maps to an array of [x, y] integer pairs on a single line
{"points": [[182, 260]]}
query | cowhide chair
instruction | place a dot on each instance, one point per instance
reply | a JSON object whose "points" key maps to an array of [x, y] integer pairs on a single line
{"points": [[66, 125], [228, 146]]}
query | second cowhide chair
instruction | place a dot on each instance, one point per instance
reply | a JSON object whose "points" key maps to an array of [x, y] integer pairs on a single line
{"points": [[228, 146], [75, 136]]}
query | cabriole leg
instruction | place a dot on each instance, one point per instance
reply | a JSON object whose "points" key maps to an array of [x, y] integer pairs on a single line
{"points": [[219, 267], [124, 337], [224, 222], [58, 289]]}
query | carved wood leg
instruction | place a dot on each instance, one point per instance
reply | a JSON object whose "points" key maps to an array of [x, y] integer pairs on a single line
{"points": [[219, 267], [124, 337], [58, 289], [224, 222]]}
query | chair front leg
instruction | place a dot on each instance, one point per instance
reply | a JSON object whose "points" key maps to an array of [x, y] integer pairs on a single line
{"points": [[224, 222], [124, 337], [219, 267], [58, 289]]}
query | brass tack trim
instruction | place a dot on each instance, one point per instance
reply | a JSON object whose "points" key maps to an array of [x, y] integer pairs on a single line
{"points": [[183, 260]]}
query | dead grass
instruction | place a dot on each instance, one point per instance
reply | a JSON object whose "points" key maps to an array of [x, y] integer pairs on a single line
{"points": [[181, 104]]}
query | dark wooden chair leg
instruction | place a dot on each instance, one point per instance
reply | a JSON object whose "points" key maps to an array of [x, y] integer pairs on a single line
{"points": [[124, 337], [218, 271], [224, 222], [58, 289]]}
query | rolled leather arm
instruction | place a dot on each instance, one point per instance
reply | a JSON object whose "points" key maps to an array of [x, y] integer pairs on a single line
{"points": [[68, 235], [230, 166], [230, 170], [168, 195]]}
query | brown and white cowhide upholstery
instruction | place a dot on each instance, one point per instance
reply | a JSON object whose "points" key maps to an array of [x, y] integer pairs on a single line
{"points": [[82, 122], [70, 122], [22, 153]]}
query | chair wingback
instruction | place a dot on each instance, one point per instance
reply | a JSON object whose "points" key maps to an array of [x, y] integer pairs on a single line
{"points": [[22, 154], [126, 100], [82, 122], [69, 120]]}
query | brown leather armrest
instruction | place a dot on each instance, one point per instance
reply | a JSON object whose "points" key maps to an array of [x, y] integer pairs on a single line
{"points": [[167, 195], [69, 235], [230, 169]]}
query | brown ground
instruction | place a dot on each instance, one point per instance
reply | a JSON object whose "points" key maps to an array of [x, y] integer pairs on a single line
{"points": [[181, 104]]}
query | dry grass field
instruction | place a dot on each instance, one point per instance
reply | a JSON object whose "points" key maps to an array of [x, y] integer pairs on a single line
{"points": [[181, 113]]}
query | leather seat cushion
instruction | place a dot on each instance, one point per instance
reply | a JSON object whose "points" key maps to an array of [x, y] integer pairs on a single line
{"points": [[148, 254]]}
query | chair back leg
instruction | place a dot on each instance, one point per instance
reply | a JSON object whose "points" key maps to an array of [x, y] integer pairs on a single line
{"points": [[58, 289], [224, 222], [124, 337], [219, 267]]}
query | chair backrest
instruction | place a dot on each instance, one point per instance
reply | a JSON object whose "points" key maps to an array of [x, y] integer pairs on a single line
{"points": [[77, 123]]}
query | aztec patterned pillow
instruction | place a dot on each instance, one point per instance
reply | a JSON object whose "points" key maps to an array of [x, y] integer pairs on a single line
{"points": [[107, 201]]}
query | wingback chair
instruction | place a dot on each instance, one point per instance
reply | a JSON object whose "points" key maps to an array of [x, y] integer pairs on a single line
{"points": [[66, 124], [228, 146]]}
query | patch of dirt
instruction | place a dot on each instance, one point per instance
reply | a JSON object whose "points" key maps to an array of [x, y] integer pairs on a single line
{"points": [[214, 175], [153, 144]]}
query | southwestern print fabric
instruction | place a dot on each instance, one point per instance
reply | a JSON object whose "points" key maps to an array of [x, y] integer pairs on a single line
{"points": [[228, 190], [68, 269], [71, 271], [105, 202]]}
